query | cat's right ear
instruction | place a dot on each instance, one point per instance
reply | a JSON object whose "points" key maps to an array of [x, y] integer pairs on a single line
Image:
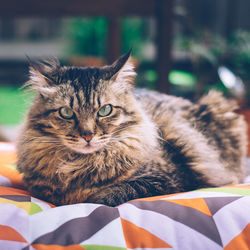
{"points": [[41, 75]]}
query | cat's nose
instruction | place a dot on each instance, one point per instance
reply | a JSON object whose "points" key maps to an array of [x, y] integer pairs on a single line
{"points": [[88, 137]]}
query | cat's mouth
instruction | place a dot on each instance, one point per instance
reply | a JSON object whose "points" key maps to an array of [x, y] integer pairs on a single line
{"points": [[83, 147], [89, 148]]}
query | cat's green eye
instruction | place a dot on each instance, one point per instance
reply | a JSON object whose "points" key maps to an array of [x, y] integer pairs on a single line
{"points": [[66, 113], [105, 110]]}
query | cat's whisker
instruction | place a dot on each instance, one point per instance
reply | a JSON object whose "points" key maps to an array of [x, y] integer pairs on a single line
{"points": [[161, 139], [128, 137], [44, 142], [40, 138], [110, 146], [128, 127], [48, 142], [104, 138], [120, 139]]}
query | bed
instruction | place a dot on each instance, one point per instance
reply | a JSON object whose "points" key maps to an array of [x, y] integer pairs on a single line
{"points": [[213, 218]]}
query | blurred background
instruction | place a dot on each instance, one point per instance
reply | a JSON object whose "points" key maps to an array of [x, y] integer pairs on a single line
{"points": [[180, 47]]}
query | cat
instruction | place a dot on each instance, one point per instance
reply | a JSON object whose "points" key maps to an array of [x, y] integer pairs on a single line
{"points": [[91, 136]]}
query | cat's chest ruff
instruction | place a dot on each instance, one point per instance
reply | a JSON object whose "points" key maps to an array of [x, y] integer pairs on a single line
{"points": [[97, 169]]}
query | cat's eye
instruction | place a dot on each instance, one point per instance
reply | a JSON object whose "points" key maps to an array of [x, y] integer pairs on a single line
{"points": [[66, 113], [105, 110]]}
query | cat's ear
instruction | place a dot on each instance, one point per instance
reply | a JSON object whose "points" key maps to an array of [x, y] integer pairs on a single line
{"points": [[42, 75], [122, 70]]}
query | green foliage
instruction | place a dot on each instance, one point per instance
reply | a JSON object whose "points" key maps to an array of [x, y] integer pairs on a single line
{"points": [[202, 46], [182, 78], [239, 48], [218, 50], [14, 104], [133, 35], [87, 36]]}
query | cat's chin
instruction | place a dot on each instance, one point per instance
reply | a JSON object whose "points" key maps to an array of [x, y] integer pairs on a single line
{"points": [[87, 149]]}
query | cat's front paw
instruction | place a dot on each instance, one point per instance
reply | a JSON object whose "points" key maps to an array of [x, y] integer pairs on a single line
{"points": [[111, 199], [108, 200]]}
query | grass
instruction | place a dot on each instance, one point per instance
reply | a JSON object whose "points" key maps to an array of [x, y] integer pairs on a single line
{"points": [[14, 103]]}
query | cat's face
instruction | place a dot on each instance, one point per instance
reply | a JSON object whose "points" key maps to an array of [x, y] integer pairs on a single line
{"points": [[85, 109]]}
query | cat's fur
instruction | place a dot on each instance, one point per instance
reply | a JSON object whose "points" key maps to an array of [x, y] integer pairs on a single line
{"points": [[151, 144]]}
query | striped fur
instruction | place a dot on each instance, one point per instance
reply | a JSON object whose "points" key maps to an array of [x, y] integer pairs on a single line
{"points": [[150, 144]]}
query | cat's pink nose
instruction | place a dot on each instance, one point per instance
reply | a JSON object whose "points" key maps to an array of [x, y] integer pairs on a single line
{"points": [[88, 137]]}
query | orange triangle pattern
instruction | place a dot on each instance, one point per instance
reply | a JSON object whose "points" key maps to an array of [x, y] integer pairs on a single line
{"points": [[13, 175], [13, 191], [7, 156], [156, 198], [241, 241], [196, 203], [8, 233], [137, 237], [57, 247]]}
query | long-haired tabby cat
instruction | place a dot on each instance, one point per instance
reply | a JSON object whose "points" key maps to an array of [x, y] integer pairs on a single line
{"points": [[90, 136]]}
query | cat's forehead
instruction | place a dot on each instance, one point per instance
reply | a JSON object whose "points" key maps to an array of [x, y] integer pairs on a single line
{"points": [[83, 76], [84, 86]]}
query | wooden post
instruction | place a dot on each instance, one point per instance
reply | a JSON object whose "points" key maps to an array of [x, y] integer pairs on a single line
{"points": [[232, 17], [164, 17], [114, 39]]}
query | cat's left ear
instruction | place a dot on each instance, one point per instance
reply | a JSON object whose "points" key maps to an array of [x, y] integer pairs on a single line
{"points": [[122, 70]]}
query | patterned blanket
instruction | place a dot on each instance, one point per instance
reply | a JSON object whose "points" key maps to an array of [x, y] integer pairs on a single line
{"points": [[214, 218]]}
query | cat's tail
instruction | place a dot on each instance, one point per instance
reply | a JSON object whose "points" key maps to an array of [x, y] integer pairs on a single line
{"points": [[225, 128], [218, 103]]}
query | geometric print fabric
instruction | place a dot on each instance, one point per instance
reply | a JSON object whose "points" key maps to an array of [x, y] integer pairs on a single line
{"points": [[133, 225], [214, 218]]}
